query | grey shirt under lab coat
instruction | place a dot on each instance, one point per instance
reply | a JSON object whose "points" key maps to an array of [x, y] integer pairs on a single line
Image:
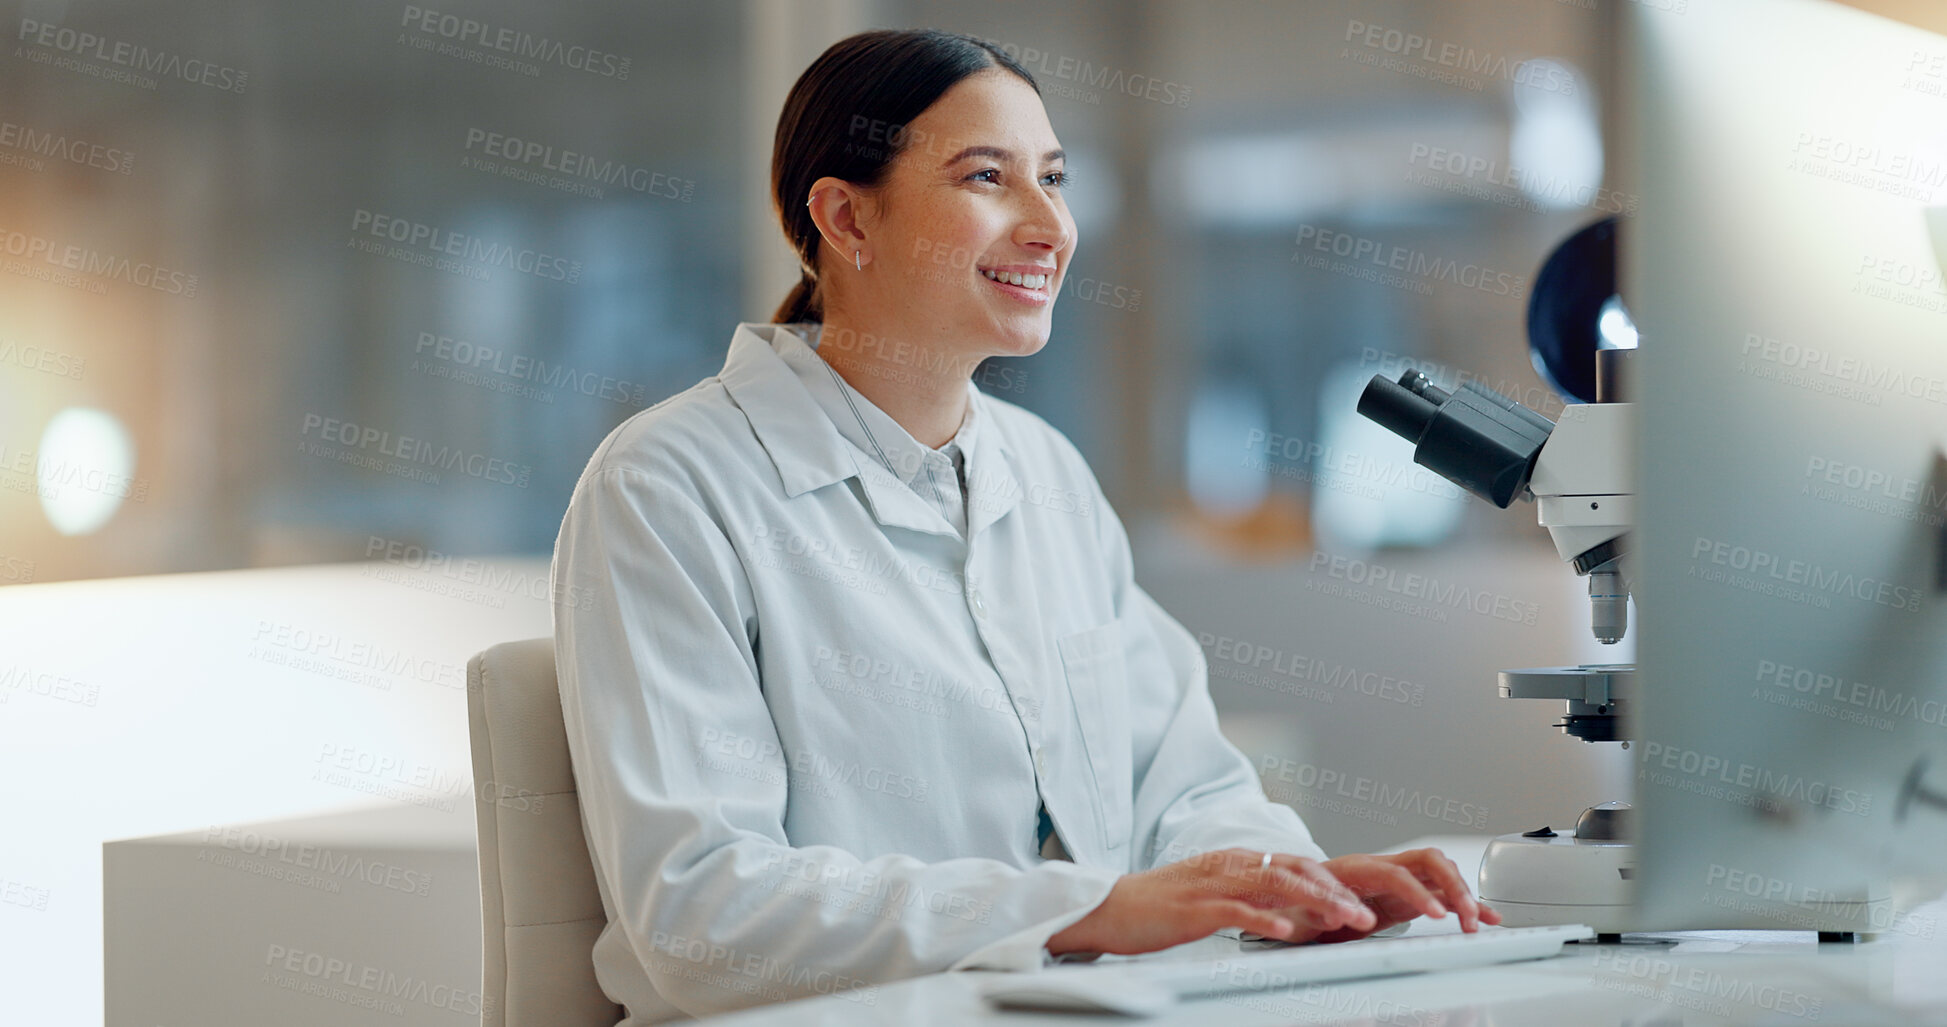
{"points": [[812, 722]]}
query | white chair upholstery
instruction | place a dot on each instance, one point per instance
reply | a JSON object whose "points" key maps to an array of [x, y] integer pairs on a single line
{"points": [[538, 901]]}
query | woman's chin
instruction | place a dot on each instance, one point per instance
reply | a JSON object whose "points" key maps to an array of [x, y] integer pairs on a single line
{"points": [[1020, 339]]}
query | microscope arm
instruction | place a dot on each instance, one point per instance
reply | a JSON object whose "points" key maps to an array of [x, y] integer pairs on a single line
{"points": [[1583, 482], [1585, 498]]}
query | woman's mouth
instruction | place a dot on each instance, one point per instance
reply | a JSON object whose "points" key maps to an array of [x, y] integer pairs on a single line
{"points": [[1028, 286]]}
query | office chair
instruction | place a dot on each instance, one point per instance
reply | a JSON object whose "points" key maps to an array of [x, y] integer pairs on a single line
{"points": [[539, 906]]}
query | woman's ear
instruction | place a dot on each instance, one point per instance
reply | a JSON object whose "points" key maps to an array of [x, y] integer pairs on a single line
{"points": [[838, 208]]}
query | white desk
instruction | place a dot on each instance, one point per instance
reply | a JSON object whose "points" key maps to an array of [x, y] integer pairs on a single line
{"points": [[356, 919], [155, 705], [1694, 978], [143, 706]]}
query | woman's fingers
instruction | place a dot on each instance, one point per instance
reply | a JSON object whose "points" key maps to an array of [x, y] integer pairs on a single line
{"points": [[1408, 886], [1291, 898], [1322, 895], [1444, 876], [1440, 872], [1353, 893], [1318, 879], [1224, 913], [1289, 884], [1386, 883], [1277, 888]]}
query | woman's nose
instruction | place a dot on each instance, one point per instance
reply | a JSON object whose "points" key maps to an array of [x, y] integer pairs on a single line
{"points": [[1042, 224]]}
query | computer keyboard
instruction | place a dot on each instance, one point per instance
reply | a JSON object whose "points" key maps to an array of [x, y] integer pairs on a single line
{"points": [[1142, 987]]}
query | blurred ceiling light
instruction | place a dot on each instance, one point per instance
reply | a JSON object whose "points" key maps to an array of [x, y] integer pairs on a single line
{"points": [[1614, 326], [1225, 414], [1277, 179], [1555, 144], [1096, 197], [1367, 493], [1245, 180], [84, 466]]}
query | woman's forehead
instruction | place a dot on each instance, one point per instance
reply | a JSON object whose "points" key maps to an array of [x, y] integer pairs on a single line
{"points": [[993, 109]]}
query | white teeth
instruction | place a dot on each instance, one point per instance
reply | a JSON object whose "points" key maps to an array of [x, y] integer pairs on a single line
{"points": [[1017, 278]]}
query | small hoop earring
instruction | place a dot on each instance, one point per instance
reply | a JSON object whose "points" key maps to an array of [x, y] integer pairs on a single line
{"points": [[855, 261]]}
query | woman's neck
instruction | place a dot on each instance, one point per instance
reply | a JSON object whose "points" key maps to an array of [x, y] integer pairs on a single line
{"points": [[922, 387]]}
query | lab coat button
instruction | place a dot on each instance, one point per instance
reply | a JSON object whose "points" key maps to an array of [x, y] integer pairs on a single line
{"points": [[979, 605], [1040, 763]]}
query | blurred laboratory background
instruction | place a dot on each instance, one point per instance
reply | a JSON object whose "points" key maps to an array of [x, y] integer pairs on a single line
{"points": [[1244, 173], [320, 282], [313, 311]]}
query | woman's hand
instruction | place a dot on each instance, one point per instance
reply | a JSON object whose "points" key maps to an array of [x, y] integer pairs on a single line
{"points": [[1398, 888], [1184, 901], [1293, 899]]}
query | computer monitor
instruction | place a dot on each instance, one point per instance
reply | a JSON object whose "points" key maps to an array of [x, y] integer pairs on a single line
{"points": [[1791, 735]]}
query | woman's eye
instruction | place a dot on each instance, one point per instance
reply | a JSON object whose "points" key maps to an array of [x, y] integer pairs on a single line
{"points": [[1057, 179]]}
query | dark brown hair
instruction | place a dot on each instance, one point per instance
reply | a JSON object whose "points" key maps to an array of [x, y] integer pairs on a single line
{"points": [[846, 117]]}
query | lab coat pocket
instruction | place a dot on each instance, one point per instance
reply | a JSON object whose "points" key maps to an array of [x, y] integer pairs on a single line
{"points": [[1096, 667]]}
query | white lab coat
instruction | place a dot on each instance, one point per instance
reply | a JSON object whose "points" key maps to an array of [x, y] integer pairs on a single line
{"points": [[811, 725]]}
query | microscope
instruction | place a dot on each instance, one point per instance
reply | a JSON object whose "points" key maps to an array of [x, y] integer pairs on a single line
{"points": [[1577, 472]]}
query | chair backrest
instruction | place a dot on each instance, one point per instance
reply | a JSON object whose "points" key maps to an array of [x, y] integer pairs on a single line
{"points": [[539, 905]]}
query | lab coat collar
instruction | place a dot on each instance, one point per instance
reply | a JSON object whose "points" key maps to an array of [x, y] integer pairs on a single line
{"points": [[885, 441], [801, 441], [992, 488], [809, 452]]}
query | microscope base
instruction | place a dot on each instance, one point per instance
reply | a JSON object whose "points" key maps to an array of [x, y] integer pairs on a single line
{"points": [[1541, 882]]}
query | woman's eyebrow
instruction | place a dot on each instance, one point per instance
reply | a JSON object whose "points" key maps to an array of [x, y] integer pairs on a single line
{"points": [[1000, 153]]}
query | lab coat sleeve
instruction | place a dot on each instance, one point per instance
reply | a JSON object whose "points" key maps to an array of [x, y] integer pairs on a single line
{"points": [[1194, 791], [683, 786]]}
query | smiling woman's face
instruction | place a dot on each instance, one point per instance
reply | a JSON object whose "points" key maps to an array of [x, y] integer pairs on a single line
{"points": [[975, 197]]}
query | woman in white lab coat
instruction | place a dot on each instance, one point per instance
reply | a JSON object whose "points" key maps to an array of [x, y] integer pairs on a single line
{"points": [[858, 681]]}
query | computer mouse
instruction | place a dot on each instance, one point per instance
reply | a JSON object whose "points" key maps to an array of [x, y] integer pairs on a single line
{"points": [[1080, 990]]}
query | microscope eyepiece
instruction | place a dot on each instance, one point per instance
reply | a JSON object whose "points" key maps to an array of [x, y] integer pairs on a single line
{"points": [[1420, 385], [1404, 409], [1475, 437]]}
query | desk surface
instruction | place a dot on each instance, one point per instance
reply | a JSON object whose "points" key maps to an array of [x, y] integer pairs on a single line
{"points": [[142, 706], [1716, 977]]}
